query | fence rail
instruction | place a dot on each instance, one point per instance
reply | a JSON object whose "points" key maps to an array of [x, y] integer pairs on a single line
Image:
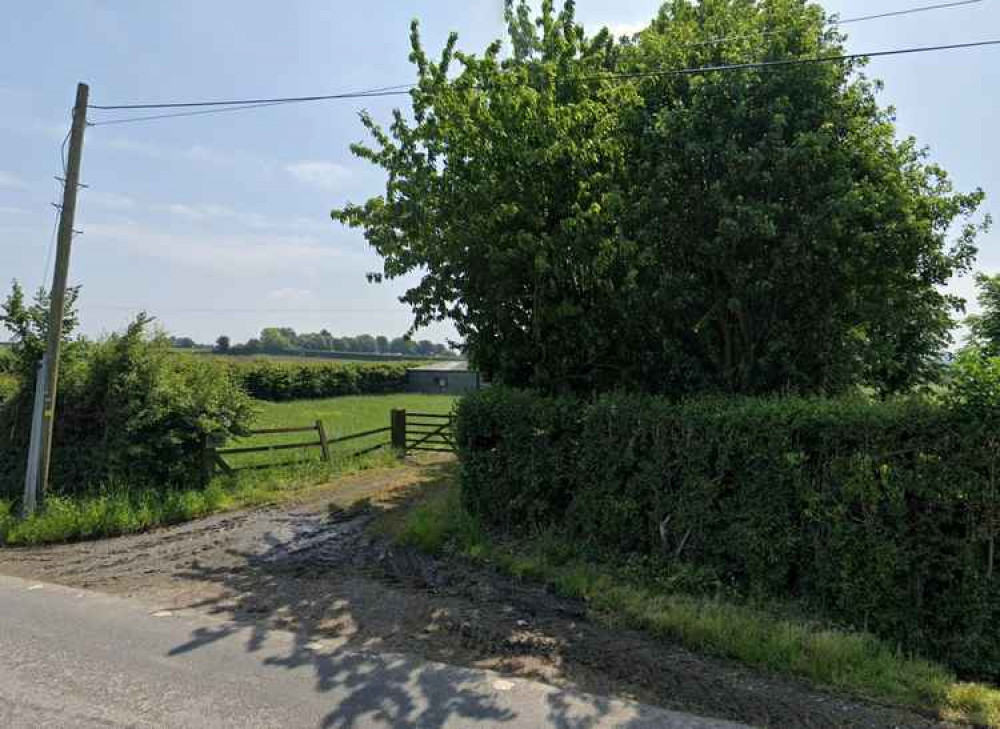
{"points": [[214, 454], [410, 431]]}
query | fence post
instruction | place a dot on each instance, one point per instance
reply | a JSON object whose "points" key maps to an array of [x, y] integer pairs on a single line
{"points": [[323, 445], [399, 430], [207, 458]]}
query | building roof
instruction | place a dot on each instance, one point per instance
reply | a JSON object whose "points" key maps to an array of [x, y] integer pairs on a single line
{"points": [[450, 366]]}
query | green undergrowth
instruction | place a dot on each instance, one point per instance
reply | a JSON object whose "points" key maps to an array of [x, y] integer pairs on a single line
{"points": [[9, 385], [692, 609], [117, 508]]}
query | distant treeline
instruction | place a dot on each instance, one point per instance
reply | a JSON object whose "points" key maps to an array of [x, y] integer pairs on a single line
{"points": [[285, 340]]}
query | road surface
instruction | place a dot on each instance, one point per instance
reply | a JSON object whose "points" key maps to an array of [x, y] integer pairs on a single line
{"points": [[73, 658]]}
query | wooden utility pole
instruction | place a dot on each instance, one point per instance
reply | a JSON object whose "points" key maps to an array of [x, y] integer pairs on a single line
{"points": [[58, 292]]}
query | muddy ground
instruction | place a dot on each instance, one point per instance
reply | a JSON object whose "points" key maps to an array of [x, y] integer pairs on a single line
{"points": [[318, 569]]}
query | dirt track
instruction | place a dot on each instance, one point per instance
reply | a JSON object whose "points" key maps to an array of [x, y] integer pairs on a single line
{"points": [[317, 569]]}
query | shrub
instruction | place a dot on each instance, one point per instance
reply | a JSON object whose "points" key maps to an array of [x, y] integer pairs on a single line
{"points": [[273, 380], [129, 411], [8, 361], [9, 385], [879, 515]]}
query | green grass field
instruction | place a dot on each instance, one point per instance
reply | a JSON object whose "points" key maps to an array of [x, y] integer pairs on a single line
{"points": [[341, 416]]}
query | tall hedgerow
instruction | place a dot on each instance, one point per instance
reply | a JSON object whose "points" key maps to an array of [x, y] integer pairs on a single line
{"points": [[882, 515]]}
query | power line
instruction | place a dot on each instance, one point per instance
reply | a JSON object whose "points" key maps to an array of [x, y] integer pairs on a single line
{"points": [[241, 311], [402, 89], [152, 117], [924, 9], [382, 91], [62, 151], [795, 61], [249, 104], [58, 208], [52, 245]]}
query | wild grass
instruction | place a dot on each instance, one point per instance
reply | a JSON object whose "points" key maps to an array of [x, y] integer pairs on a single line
{"points": [[120, 508], [680, 605]]}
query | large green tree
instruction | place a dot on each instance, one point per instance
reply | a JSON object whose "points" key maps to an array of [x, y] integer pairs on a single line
{"points": [[984, 327], [592, 216]]}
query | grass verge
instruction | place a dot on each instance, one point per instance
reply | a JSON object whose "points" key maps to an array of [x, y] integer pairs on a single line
{"points": [[120, 509], [665, 602]]}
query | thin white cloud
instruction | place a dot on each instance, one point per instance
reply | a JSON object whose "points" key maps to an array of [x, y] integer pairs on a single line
{"points": [[199, 153], [130, 145], [200, 213], [195, 153], [203, 211], [111, 200], [208, 212], [52, 130], [223, 254], [325, 175], [9, 179], [292, 296], [55, 131]]}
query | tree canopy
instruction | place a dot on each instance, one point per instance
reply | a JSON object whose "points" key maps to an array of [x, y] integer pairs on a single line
{"points": [[593, 217], [278, 340], [28, 324], [984, 327]]}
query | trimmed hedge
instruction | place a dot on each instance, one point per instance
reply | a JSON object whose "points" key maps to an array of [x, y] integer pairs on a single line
{"points": [[880, 516], [277, 380]]}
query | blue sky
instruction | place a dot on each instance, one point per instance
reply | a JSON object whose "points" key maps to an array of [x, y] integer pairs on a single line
{"points": [[219, 224]]}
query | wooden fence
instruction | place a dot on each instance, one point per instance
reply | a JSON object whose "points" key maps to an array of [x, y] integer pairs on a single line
{"points": [[409, 431], [214, 454]]}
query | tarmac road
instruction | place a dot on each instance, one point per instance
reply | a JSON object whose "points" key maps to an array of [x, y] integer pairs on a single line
{"points": [[74, 658]]}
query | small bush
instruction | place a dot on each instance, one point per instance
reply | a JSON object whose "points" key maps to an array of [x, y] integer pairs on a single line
{"points": [[127, 411], [279, 380], [9, 385], [8, 361], [878, 515]]}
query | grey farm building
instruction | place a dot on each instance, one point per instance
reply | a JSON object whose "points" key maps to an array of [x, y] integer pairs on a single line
{"points": [[444, 378]]}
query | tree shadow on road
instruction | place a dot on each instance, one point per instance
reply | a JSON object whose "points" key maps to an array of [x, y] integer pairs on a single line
{"points": [[322, 593]]}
